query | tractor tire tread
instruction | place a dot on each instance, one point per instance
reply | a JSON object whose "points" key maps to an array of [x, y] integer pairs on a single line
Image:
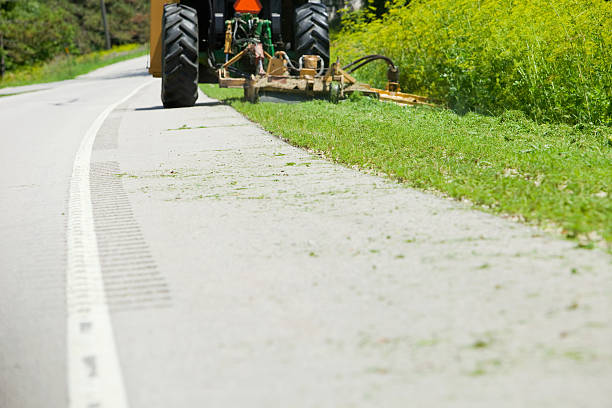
{"points": [[312, 31], [179, 56]]}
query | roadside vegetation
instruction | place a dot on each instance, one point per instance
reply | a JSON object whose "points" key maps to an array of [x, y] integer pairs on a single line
{"points": [[69, 66], [529, 87], [551, 60], [557, 176], [33, 32]]}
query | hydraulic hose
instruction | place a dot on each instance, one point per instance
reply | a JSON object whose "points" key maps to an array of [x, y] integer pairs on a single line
{"points": [[360, 62], [238, 72], [392, 71]]}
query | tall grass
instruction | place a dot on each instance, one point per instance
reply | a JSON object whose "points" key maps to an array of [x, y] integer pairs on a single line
{"points": [[549, 59], [68, 66]]}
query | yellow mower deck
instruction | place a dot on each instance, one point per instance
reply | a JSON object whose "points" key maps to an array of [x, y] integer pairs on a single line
{"points": [[334, 83]]}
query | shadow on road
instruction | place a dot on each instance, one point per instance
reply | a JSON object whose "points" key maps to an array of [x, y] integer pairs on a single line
{"points": [[93, 76], [150, 108]]}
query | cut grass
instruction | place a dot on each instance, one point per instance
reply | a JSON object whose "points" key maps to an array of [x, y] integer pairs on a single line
{"points": [[553, 175], [68, 66]]}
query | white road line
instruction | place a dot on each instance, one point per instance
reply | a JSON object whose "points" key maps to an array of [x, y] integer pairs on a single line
{"points": [[94, 374]]}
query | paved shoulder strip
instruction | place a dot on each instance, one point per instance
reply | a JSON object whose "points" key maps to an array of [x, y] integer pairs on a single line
{"points": [[94, 374]]}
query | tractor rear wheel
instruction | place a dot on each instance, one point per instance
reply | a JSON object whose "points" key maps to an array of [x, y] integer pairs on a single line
{"points": [[179, 56], [312, 31]]}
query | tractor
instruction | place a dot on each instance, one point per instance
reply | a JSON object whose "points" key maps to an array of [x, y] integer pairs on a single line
{"points": [[188, 39], [266, 47]]}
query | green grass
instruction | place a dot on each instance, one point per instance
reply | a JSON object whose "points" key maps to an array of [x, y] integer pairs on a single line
{"points": [[555, 175], [68, 66]]}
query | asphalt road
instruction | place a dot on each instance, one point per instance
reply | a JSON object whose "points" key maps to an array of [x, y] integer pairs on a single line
{"points": [[179, 258]]}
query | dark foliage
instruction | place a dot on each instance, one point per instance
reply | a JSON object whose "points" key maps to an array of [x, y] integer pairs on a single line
{"points": [[37, 30]]}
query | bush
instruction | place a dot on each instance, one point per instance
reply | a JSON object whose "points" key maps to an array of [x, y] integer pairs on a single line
{"points": [[28, 38], [36, 31], [551, 60]]}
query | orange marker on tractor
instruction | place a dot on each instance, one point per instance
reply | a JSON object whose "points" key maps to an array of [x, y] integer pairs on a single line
{"points": [[247, 6]]}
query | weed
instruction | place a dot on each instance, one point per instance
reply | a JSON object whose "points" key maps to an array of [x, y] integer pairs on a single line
{"points": [[550, 60]]}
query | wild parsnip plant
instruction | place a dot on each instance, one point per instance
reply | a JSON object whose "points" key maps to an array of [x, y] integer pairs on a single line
{"points": [[549, 59]]}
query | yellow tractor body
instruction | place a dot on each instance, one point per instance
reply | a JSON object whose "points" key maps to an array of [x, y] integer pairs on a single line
{"points": [[157, 9]]}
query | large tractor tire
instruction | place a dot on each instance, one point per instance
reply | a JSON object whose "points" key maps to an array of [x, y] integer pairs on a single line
{"points": [[179, 56], [312, 31]]}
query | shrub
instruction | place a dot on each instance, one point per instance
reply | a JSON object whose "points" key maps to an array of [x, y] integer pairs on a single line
{"points": [[551, 60], [28, 38], [36, 31]]}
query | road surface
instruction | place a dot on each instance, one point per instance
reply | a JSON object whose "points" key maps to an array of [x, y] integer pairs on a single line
{"points": [[180, 258]]}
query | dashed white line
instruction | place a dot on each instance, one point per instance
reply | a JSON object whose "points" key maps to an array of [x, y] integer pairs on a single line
{"points": [[94, 373]]}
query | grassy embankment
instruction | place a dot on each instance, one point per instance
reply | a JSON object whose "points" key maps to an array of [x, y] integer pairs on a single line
{"points": [[534, 65], [68, 66], [554, 175]]}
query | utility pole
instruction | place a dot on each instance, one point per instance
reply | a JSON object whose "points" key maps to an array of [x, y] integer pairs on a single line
{"points": [[2, 66], [105, 23]]}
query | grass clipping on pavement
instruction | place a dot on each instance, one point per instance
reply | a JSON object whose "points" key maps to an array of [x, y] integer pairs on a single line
{"points": [[553, 175], [68, 66]]}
